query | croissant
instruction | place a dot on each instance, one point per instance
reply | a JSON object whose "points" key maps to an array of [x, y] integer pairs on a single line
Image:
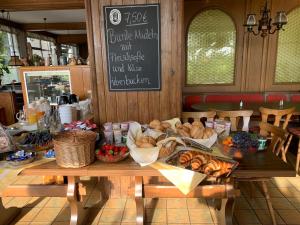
{"points": [[198, 161], [225, 168], [212, 166], [185, 158]]}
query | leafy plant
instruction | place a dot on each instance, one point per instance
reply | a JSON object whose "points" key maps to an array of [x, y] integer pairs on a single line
{"points": [[3, 66]]}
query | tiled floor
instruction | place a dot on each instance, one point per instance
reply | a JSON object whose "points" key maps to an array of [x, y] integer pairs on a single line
{"points": [[284, 192]]}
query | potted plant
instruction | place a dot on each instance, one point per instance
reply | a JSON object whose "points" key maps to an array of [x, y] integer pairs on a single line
{"points": [[3, 68], [37, 60]]}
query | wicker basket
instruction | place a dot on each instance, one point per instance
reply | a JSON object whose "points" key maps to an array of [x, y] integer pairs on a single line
{"points": [[75, 149]]}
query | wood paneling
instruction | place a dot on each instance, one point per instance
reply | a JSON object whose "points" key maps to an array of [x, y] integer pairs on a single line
{"points": [[32, 5], [54, 26], [141, 106], [71, 39], [8, 102], [255, 56]]}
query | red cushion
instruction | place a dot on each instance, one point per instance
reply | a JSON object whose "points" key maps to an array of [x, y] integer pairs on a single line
{"points": [[235, 98], [276, 97], [295, 98], [190, 100]]}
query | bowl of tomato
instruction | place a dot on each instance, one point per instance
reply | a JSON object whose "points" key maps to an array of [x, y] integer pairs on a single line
{"points": [[112, 153]]}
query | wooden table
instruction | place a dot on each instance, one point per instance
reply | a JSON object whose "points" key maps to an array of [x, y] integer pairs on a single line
{"points": [[230, 106], [255, 165]]}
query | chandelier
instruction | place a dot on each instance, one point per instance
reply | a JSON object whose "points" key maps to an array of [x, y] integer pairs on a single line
{"points": [[265, 25]]}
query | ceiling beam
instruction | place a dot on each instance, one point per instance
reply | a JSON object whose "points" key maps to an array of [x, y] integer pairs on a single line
{"points": [[54, 26], [34, 5], [10, 24], [71, 39]]}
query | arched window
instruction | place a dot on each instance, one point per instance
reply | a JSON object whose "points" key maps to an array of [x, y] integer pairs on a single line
{"points": [[211, 44], [288, 52]]}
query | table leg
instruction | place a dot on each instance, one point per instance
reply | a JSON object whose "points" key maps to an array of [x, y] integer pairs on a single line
{"points": [[268, 200], [224, 210], [298, 157], [78, 213], [139, 200], [9, 214]]}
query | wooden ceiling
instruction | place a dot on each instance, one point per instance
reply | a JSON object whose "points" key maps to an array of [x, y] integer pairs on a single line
{"points": [[32, 5]]}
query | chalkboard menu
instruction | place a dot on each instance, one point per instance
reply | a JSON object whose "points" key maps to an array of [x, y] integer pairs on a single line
{"points": [[132, 35]]}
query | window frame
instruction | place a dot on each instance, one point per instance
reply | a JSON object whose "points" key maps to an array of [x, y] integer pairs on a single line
{"points": [[270, 84], [237, 78]]}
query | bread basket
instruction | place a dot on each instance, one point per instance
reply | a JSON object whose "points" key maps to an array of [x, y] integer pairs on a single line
{"points": [[75, 149]]}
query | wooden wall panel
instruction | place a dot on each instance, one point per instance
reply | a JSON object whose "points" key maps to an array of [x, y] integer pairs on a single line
{"points": [[255, 56], [141, 106]]}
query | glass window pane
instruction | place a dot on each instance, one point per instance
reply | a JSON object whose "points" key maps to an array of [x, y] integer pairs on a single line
{"points": [[288, 53], [8, 46], [35, 43], [37, 52], [211, 48]]}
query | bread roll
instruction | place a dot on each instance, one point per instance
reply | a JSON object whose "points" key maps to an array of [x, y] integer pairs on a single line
{"points": [[161, 137], [178, 125], [165, 125], [198, 124], [186, 129], [183, 133], [154, 123], [146, 145], [188, 125], [199, 133], [208, 132]]}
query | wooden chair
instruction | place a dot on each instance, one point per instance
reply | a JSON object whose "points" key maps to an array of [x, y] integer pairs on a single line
{"points": [[279, 115], [234, 117], [278, 138], [197, 116]]}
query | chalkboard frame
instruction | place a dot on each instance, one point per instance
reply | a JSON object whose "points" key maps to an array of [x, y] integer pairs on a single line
{"points": [[158, 88]]}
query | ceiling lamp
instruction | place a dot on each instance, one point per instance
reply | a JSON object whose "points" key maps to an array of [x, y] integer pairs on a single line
{"points": [[265, 24]]}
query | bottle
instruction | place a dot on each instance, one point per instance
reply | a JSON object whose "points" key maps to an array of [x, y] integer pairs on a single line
{"points": [[241, 104], [281, 103]]}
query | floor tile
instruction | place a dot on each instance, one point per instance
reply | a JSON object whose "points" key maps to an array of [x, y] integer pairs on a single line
{"points": [[130, 203], [129, 215], [18, 202], [258, 203], [47, 214], [111, 215], [195, 203], [56, 202], [290, 192], [115, 203], [200, 216], [176, 203], [41, 223], [241, 203], [64, 215], [94, 215], [281, 182], [110, 223], [265, 217], [20, 223], [281, 203], [37, 202], [156, 215], [178, 216], [275, 193], [27, 214], [246, 217], [158, 203], [291, 216], [295, 202], [61, 223]]}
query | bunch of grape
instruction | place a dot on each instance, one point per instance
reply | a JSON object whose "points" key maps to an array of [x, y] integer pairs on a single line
{"points": [[244, 140]]}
